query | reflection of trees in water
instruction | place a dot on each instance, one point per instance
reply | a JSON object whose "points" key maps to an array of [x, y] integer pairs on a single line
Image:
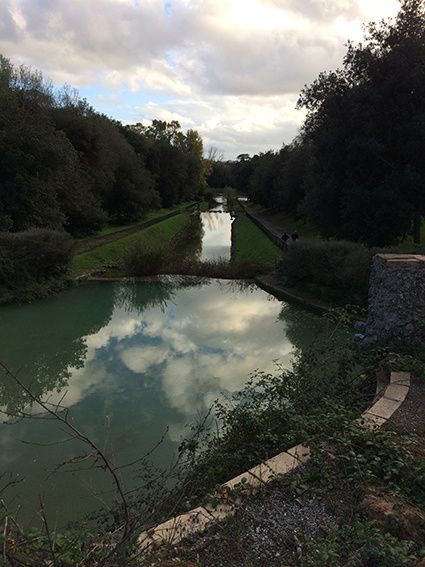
{"points": [[234, 286], [58, 326], [150, 293], [305, 329], [153, 292], [191, 243], [302, 327]]}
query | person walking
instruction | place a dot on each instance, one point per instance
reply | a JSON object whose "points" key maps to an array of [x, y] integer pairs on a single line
{"points": [[285, 238]]}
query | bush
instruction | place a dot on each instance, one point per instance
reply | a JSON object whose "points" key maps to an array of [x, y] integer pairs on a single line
{"points": [[145, 259], [33, 255], [337, 264]]}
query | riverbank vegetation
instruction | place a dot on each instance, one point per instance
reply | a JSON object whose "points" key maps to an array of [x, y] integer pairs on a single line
{"points": [[250, 244], [337, 269], [155, 236], [33, 263]]}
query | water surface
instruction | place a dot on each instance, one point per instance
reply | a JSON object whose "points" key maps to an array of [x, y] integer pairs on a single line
{"points": [[131, 360], [216, 233]]}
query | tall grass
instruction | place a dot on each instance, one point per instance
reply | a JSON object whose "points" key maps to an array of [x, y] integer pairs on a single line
{"points": [[148, 259]]}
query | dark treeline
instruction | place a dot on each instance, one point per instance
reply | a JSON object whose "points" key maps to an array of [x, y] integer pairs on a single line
{"points": [[63, 166], [357, 169]]}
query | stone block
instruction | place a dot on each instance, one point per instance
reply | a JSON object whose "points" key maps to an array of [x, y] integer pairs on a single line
{"points": [[301, 452], [384, 408], [396, 392], [400, 378], [265, 472], [372, 421]]}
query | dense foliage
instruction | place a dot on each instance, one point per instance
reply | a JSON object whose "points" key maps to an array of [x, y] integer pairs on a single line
{"points": [[340, 265], [32, 253], [64, 166], [356, 171], [34, 262]]}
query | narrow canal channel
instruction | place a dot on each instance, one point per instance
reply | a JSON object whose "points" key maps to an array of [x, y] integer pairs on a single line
{"points": [[217, 232]]}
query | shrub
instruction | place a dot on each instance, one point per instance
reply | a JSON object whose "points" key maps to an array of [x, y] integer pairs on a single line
{"points": [[337, 264], [144, 259], [33, 255]]}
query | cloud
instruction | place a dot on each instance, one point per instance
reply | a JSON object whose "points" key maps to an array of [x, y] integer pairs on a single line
{"points": [[234, 66], [245, 124], [140, 359]]}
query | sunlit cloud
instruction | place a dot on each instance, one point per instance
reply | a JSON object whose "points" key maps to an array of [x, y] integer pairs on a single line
{"points": [[230, 69]]}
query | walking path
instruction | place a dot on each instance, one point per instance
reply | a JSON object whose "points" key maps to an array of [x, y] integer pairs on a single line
{"points": [[85, 246], [410, 418]]}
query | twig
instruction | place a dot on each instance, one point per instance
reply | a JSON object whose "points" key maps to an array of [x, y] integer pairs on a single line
{"points": [[49, 537], [6, 524]]}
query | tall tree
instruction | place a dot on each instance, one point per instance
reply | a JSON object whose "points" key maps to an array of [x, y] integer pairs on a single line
{"points": [[366, 123]]}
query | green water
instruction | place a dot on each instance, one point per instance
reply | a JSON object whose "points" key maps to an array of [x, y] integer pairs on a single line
{"points": [[131, 360]]}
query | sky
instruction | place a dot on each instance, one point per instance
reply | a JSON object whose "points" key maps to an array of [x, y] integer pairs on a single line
{"points": [[231, 69]]}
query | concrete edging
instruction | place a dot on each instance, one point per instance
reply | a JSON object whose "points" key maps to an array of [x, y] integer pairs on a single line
{"points": [[174, 530], [283, 294]]}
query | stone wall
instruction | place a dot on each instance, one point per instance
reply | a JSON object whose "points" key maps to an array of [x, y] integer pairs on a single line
{"points": [[396, 313]]}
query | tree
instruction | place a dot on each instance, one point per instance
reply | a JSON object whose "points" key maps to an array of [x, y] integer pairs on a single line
{"points": [[366, 126], [64, 166]]}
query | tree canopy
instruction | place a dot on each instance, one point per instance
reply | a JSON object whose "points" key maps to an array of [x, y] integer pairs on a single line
{"points": [[66, 167], [357, 170]]}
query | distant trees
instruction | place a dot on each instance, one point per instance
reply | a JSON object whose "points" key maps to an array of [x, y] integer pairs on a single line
{"points": [[65, 166], [274, 179], [357, 169]]}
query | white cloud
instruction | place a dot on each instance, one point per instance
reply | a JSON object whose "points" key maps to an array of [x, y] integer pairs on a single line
{"points": [[140, 359], [236, 67]]}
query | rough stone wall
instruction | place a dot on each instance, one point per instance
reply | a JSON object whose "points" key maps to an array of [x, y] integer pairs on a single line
{"points": [[396, 300]]}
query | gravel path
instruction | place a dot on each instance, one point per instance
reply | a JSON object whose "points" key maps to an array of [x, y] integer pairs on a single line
{"points": [[267, 529], [410, 417]]}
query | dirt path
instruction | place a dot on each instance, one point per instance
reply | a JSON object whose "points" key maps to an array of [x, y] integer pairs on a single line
{"points": [[410, 417], [81, 247]]}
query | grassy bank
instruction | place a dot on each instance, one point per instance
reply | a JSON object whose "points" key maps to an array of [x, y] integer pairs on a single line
{"points": [[112, 252], [250, 244], [152, 215], [181, 256], [172, 247]]}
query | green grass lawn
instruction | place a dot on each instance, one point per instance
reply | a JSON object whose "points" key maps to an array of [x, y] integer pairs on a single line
{"points": [[252, 244], [111, 229], [160, 233]]}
